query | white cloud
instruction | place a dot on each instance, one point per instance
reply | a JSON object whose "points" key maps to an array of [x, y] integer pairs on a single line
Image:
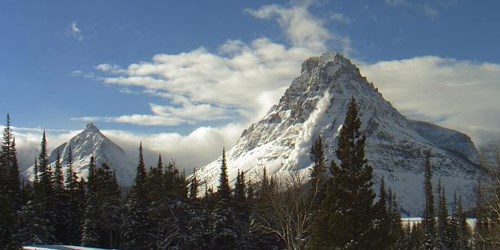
{"points": [[301, 28], [397, 2], [76, 32], [341, 18], [199, 84], [431, 13], [452, 93], [191, 150], [108, 68]]}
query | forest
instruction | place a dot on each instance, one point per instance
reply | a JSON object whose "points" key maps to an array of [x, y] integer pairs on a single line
{"points": [[335, 206]]}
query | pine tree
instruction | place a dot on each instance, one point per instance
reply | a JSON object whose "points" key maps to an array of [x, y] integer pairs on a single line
{"points": [[429, 222], [382, 238], [223, 190], [10, 193], [318, 171], [155, 182], [102, 222], [193, 188], [57, 178], [44, 173], [90, 232], [8, 223], [250, 191], [61, 206], [347, 218], [137, 225], [463, 228], [443, 224], [239, 188], [453, 225], [482, 226], [71, 177]]}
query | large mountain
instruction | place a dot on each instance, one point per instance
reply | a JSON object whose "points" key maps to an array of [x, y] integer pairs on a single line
{"points": [[91, 142], [316, 103]]}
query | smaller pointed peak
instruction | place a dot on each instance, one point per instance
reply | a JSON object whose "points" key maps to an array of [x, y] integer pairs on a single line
{"points": [[91, 127]]}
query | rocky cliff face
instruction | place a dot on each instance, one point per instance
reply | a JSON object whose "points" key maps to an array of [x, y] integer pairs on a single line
{"points": [[315, 104]]}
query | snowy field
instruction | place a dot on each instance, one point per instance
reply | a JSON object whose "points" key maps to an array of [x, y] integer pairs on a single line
{"points": [[58, 247], [417, 220]]}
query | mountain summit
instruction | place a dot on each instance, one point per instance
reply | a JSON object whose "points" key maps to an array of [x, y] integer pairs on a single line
{"points": [[91, 142], [315, 105]]}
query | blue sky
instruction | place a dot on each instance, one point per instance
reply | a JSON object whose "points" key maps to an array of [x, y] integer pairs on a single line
{"points": [[200, 71]]}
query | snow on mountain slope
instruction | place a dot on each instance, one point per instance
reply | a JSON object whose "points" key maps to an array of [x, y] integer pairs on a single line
{"points": [[91, 142], [316, 104]]}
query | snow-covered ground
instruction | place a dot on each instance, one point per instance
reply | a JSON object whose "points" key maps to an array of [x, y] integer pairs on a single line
{"points": [[59, 247], [417, 220]]}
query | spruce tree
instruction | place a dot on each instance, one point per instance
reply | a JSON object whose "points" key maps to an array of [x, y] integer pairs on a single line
{"points": [[44, 173], [481, 230], [10, 193], [223, 190], [137, 225], [347, 218], [463, 229], [90, 227], [62, 209], [239, 188], [57, 178], [71, 177], [453, 225], [318, 171], [193, 188], [102, 222], [429, 221], [443, 224]]}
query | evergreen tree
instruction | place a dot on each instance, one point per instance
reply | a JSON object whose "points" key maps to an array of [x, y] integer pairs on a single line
{"points": [[417, 237], [44, 173], [382, 238], [57, 178], [8, 223], [223, 190], [155, 182], [239, 188], [71, 177], [35, 227], [429, 221], [482, 226], [61, 207], [90, 232], [193, 188], [396, 227], [250, 191], [443, 223], [318, 171], [463, 228], [347, 218], [137, 225], [10, 193], [102, 222]]}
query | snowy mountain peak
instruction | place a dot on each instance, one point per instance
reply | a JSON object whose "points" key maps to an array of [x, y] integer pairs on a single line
{"points": [[91, 128], [316, 104], [92, 142]]}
